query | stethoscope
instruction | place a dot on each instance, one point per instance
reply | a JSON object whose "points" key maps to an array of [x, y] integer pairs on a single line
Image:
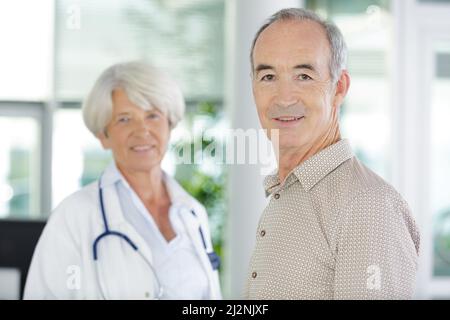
{"points": [[212, 256]]}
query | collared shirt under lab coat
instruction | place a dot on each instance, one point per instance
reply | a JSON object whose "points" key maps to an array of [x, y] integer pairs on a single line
{"points": [[176, 263], [63, 266]]}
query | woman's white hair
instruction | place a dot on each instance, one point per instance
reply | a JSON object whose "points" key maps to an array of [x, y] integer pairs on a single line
{"points": [[146, 86]]}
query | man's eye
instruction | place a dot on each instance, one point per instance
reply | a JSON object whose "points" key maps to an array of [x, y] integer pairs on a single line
{"points": [[268, 77], [304, 77]]}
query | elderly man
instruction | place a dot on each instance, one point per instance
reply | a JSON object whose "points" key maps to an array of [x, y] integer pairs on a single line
{"points": [[333, 229]]}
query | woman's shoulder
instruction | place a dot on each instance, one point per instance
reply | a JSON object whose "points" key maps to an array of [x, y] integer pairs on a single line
{"points": [[69, 219], [84, 198], [78, 205]]}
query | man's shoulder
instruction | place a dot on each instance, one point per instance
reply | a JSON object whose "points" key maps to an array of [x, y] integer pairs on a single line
{"points": [[368, 193], [362, 180], [353, 184], [374, 204]]}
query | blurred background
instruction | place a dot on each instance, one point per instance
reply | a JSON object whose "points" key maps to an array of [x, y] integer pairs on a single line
{"points": [[396, 114]]}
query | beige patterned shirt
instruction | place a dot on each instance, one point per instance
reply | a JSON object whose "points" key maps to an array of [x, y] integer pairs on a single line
{"points": [[333, 230]]}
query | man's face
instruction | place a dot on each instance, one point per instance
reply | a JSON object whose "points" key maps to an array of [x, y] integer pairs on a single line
{"points": [[292, 83]]}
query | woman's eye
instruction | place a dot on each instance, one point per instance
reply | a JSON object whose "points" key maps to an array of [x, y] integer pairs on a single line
{"points": [[123, 119], [153, 116], [268, 77]]}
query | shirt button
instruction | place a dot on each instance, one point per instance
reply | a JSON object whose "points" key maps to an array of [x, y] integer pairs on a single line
{"points": [[254, 274], [277, 196], [263, 233]]}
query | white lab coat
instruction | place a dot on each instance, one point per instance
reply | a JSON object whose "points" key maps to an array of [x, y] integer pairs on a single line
{"points": [[63, 266]]}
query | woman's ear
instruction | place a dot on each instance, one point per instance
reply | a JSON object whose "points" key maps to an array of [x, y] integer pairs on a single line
{"points": [[104, 140], [342, 87]]}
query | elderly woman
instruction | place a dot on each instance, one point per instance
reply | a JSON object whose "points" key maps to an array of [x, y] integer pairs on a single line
{"points": [[135, 233]]}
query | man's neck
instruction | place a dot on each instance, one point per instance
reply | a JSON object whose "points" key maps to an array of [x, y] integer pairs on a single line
{"points": [[291, 158]]}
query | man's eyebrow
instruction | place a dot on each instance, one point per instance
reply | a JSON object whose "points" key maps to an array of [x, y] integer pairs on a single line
{"points": [[305, 66], [261, 67]]}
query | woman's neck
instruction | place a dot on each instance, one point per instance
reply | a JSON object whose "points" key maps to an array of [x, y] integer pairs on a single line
{"points": [[148, 185]]}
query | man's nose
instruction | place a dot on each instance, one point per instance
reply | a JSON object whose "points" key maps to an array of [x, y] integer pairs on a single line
{"points": [[286, 94]]}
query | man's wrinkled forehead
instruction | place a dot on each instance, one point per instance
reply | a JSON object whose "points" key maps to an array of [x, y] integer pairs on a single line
{"points": [[291, 42]]}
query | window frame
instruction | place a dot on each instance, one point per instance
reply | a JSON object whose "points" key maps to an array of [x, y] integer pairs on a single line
{"points": [[41, 113], [417, 26]]}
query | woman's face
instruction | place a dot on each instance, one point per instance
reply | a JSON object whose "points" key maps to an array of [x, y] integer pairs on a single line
{"points": [[138, 138]]}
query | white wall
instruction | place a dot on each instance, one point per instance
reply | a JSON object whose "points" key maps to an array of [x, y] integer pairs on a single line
{"points": [[26, 26], [247, 201]]}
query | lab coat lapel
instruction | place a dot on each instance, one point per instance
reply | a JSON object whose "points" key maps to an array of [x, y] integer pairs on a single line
{"points": [[122, 271], [118, 222], [192, 225]]}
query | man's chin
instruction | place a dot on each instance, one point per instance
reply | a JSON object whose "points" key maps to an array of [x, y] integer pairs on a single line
{"points": [[289, 144]]}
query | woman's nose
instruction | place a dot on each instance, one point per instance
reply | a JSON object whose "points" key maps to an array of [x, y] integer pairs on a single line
{"points": [[142, 127]]}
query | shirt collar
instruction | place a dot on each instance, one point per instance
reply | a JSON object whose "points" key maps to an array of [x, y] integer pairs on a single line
{"points": [[111, 175], [310, 172], [178, 196]]}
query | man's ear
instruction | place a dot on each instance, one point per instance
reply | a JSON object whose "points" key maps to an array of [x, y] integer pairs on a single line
{"points": [[342, 87], [104, 140]]}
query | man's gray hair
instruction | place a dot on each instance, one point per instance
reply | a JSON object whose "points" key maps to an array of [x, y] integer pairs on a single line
{"points": [[338, 48]]}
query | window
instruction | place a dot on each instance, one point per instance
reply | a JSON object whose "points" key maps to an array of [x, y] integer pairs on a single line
{"points": [[76, 148], [63, 47], [180, 36], [184, 37], [366, 112], [25, 83], [25, 64], [439, 164], [19, 167]]}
